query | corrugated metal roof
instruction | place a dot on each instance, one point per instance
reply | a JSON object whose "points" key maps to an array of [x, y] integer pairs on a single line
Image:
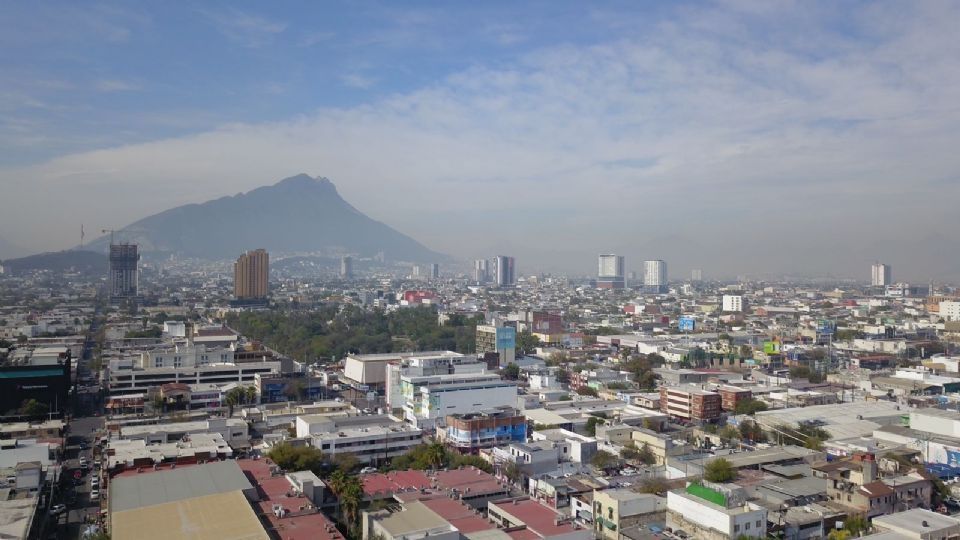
{"points": [[151, 488]]}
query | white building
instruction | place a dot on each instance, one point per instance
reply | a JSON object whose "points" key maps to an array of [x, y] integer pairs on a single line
{"points": [[430, 399], [125, 378], [185, 356], [715, 512], [655, 276], [950, 310], [732, 302], [880, 275], [176, 329], [424, 365], [372, 439], [610, 271]]}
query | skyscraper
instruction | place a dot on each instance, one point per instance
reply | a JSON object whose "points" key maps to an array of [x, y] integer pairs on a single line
{"points": [[346, 267], [610, 272], [124, 271], [251, 275], [880, 275], [481, 270], [655, 276], [434, 271], [696, 274], [505, 271]]}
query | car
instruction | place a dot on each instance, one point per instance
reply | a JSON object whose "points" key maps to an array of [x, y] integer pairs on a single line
{"points": [[94, 482], [368, 470], [367, 411], [58, 509], [94, 494]]}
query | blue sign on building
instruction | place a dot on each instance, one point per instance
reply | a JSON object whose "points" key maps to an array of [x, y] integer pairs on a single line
{"points": [[687, 324]]}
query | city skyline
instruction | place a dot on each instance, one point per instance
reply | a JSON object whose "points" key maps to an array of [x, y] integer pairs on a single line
{"points": [[781, 131]]}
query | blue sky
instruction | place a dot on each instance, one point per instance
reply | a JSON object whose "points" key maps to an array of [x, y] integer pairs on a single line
{"points": [[694, 132]]}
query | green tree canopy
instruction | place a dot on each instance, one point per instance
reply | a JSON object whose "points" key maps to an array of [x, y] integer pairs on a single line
{"points": [[719, 470]]}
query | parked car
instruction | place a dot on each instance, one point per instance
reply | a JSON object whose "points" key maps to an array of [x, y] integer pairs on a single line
{"points": [[58, 509], [94, 494], [368, 470]]}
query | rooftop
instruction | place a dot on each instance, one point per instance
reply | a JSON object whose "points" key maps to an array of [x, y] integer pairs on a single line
{"points": [[209, 517], [137, 490]]}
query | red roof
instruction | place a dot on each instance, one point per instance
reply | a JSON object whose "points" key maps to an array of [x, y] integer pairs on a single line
{"points": [[312, 524], [458, 514], [537, 517], [393, 482], [469, 478]]}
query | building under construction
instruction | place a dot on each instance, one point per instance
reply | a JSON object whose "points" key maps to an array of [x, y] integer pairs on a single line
{"points": [[124, 271]]}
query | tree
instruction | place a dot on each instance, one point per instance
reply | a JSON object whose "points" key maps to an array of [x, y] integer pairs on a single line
{"points": [[653, 485], [729, 433], [436, 454], [510, 372], [750, 406], [297, 458], [345, 462], [512, 472], [647, 457], [527, 342], [719, 470], [592, 423], [587, 391], [604, 460], [32, 407], [349, 492]]}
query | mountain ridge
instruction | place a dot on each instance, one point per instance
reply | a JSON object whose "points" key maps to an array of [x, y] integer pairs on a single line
{"points": [[297, 214]]}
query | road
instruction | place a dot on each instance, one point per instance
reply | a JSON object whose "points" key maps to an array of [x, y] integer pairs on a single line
{"points": [[82, 432]]}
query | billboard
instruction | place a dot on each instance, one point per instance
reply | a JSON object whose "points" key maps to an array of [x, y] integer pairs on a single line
{"points": [[826, 327], [687, 324], [771, 347], [506, 338]]}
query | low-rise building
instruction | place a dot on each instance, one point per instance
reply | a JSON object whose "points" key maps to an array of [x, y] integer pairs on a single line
{"points": [[690, 403], [707, 511], [371, 439], [615, 509], [470, 432]]}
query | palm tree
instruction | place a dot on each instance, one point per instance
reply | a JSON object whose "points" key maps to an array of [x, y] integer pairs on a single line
{"points": [[231, 400], [436, 454], [251, 394]]}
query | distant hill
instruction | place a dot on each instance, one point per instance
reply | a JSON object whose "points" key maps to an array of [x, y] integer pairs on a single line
{"points": [[298, 214], [84, 262]]}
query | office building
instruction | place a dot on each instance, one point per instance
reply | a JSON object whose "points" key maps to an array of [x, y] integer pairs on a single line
{"points": [[469, 432], [251, 275], [499, 340], [481, 270], [505, 269], [434, 271], [415, 272], [372, 439], [950, 310], [346, 267], [429, 399], [880, 275], [124, 271], [655, 276], [610, 272], [42, 374], [696, 274]]}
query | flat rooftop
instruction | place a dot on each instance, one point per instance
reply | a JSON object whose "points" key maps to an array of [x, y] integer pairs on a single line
{"points": [[210, 517], [149, 488]]}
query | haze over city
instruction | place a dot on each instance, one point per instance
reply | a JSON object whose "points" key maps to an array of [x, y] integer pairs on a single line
{"points": [[810, 138]]}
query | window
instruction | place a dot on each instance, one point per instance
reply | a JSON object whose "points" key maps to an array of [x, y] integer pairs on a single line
{"points": [[758, 523], [747, 526], [177, 361], [158, 361], [736, 528], [610, 513]]}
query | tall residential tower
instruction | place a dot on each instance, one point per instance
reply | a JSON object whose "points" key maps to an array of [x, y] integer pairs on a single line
{"points": [[505, 271], [251, 275], [880, 275], [610, 272], [655, 276], [124, 271]]}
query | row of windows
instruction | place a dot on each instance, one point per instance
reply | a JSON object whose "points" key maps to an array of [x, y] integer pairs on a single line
{"points": [[746, 526]]}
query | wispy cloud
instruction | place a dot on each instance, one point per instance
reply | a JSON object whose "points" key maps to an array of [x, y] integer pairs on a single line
{"points": [[247, 29], [355, 80], [727, 137], [116, 85]]}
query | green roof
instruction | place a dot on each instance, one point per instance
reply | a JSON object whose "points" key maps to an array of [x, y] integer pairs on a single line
{"points": [[711, 495], [31, 373]]}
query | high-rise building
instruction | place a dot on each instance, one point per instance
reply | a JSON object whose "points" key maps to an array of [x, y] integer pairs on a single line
{"points": [[251, 275], [481, 270], [696, 274], [505, 268], [610, 272], [434, 271], [880, 275], [346, 267], [124, 271], [655, 276], [415, 272]]}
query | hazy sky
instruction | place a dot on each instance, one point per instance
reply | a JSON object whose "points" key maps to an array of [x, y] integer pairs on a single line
{"points": [[737, 137]]}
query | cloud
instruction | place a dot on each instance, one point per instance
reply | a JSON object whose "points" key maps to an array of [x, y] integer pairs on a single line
{"points": [[355, 80], [718, 149], [247, 29], [114, 85]]}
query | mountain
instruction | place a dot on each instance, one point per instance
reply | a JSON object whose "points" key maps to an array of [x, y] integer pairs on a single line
{"points": [[9, 249], [83, 262], [297, 214]]}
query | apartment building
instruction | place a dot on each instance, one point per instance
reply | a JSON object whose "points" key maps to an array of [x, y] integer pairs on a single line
{"points": [[708, 511], [730, 396], [690, 403], [470, 432]]}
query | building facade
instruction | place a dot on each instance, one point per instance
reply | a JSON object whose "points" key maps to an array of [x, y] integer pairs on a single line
{"points": [[124, 271], [655, 276], [610, 272], [251, 274], [691, 404], [505, 270], [880, 275]]}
